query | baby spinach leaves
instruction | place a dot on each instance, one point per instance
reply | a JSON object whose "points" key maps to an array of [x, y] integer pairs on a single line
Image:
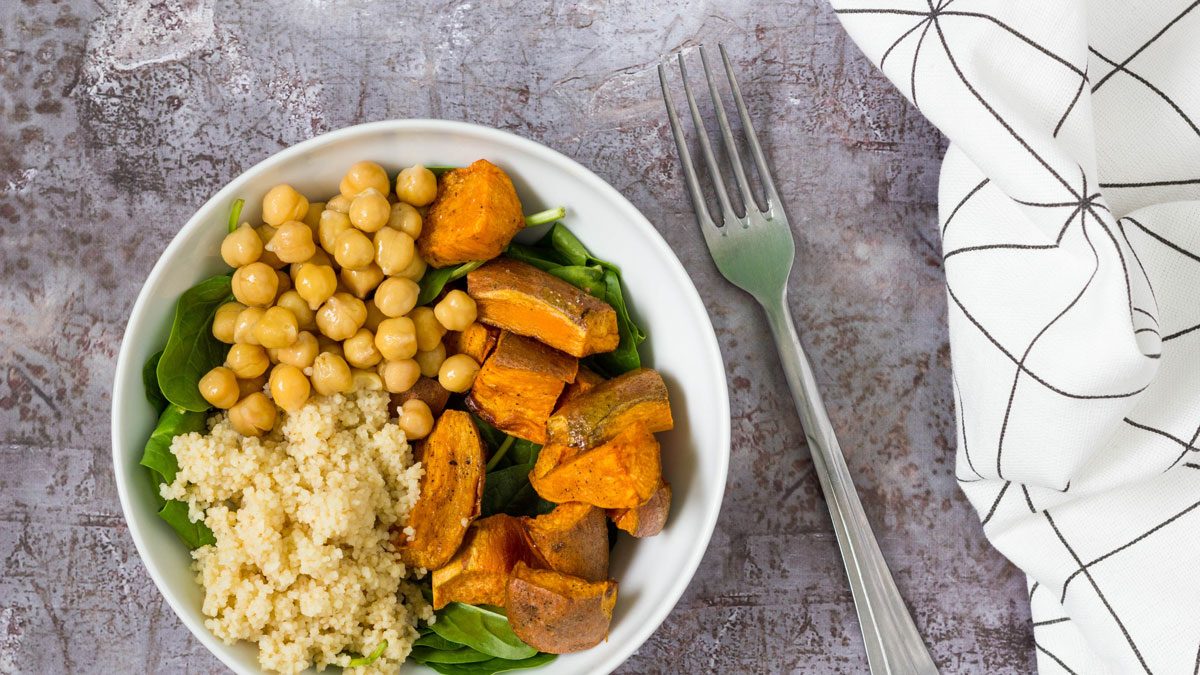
{"points": [[506, 487], [150, 383], [492, 666], [158, 458], [194, 534], [235, 213], [435, 280], [482, 628], [191, 350]]}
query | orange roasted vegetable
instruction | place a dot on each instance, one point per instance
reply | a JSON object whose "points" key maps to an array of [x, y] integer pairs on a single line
{"points": [[451, 490], [648, 519], [558, 613], [478, 573], [636, 398], [620, 474], [429, 390], [476, 341], [474, 217], [585, 380], [519, 384], [572, 539], [521, 298]]}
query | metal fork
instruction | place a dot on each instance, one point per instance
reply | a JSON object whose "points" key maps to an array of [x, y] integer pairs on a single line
{"points": [[756, 252]]}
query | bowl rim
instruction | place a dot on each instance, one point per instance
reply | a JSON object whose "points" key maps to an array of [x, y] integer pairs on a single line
{"points": [[710, 348]]}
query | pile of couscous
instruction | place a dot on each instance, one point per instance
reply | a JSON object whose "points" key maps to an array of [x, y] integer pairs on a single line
{"points": [[302, 564]]}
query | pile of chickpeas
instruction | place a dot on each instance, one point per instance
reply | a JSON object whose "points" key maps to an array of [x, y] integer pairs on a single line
{"points": [[326, 297]]}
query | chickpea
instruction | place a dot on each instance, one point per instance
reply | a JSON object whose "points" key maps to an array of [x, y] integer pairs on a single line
{"points": [[247, 361], [243, 328], [396, 338], [429, 330], [339, 203], [364, 175], [241, 247], [332, 224], [219, 387], [265, 233], [277, 328], [313, 218], [225, 321], [362, 281], [431, 361], [247, 387], [416, 185], [315, 283], [365, 379], [415, 269], [406, 218], [399, 376], [397, 296], [298, 306], [281, 204], [416, 419], [374, 316], [456, 311], [370, 210], [360, 349], [393, 250], [330, 346], [457, 373], [301, 352], [330, 374], [255, 284], [289, 387], [341, 316], [253, 415], [319, 257], [283, 283], [293, 242], [353, 249]]}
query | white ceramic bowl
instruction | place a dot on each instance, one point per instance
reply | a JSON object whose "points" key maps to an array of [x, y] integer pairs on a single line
{"points": [[652, 572]]}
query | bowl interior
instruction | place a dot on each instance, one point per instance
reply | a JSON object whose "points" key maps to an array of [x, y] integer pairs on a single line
{"points": [[652, 572]]}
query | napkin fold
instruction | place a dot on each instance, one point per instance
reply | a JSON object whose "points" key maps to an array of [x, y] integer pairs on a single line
{"points": [[1071, 239]]}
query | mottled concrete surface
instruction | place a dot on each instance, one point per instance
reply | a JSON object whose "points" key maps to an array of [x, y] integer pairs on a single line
{"points": [[119, 117]]}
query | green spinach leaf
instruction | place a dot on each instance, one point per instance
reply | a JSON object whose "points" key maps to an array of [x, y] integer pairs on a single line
{"points": [[524, 452], [235, 213], [436, 279], [434, 641], [492, 436], [195, 534], [150, 383], [541, 258], [590, 279], [191, 349], [508, 490], [625, 357], [439, 169], [459, 655], [481, 628], [492, 666], [157, 455]]}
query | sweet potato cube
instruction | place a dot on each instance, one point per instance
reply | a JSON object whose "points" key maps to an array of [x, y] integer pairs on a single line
{"points": [[476, 341], [620, 474], [478, 573], [558, 613], [519, 384], [636, 398], [427, 389], [648, 519], [571, 539], [475, 216], [585, 380], [523, 299], [451, 490]]}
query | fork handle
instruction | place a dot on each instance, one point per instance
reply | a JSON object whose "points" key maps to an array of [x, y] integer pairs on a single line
{"points": [[894, 647]]}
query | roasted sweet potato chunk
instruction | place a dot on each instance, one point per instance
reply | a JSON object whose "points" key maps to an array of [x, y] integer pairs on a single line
{"points": [[519, 384], [476, 341], [478, 573], [620, 474], [648, 519], [475, 215], [585, 380], [558, 613], [636, 398], [427, 389], [451, 490], [571, 539], [521, 298]]}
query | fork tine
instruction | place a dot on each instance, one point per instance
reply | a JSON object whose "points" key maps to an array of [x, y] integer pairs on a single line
{"points": [[752, 138], [705, 147], [685, 158], [735, 157]]}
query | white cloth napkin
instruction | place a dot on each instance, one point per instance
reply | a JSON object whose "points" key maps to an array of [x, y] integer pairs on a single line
{"points": [[1071, 237]]}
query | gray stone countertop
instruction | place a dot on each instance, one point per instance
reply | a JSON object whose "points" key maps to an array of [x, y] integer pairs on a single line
{"points": [[118, 118]]}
